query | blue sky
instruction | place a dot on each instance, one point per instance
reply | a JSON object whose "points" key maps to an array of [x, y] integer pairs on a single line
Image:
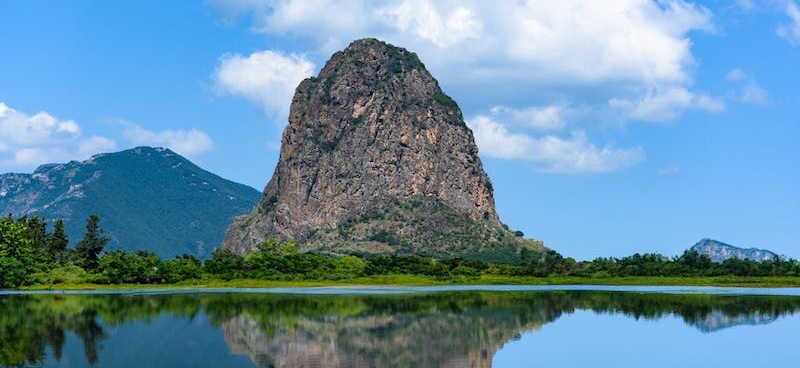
{"points": [[607, 127]]}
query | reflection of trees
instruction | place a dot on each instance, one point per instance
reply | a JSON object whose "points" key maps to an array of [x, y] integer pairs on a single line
{"points": [[706, 312], [439, 329], [29, 324]]}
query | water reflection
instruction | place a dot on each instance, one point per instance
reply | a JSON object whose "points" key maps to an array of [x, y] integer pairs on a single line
{"points": [[446, 329]]}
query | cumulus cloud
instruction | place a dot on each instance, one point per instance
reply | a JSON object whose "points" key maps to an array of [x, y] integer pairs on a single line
{"points": [[190, 143], [550, 153], [266, 78], [570, 64], [632, 51], [443, 26], [40, 138], [791, 31]]}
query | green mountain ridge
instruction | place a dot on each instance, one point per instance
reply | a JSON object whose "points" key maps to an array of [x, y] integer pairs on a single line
{"points": [[147, 198]]}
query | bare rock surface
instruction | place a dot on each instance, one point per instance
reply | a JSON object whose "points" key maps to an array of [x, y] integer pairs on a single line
{"points": [[373, 131]]}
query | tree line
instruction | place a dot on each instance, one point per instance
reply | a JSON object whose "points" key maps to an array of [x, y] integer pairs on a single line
{"points": [[30, 254]]}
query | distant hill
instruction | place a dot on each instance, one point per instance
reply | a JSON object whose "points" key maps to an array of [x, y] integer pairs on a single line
{"points": [[719, 251], [147, 198]]}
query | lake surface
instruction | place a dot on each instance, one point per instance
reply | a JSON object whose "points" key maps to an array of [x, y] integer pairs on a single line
{"points": [[501, 326]]}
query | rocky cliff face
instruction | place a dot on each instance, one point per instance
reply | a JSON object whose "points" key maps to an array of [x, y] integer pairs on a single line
{"points": [[371, 131]]}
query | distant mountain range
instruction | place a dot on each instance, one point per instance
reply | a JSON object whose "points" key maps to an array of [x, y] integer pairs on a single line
{"points": [[147, 198], [719, 251]]}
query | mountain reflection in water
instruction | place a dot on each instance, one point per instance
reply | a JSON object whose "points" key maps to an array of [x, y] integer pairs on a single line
{"points": [[442, 329]]}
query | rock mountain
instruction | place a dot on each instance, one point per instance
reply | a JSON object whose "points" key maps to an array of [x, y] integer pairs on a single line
{"points": [[147, 198], [719, 251], [377, 159]]}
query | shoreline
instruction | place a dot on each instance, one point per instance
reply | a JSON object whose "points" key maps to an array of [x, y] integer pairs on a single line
{"points": [[416, 280]]}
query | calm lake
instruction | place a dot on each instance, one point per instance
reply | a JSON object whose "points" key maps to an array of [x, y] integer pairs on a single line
{"points": [[500, 326]]}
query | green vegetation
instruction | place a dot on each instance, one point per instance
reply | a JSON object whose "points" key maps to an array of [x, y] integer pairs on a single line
{"points": [[31, 257], [445, 100], [423, 225]]}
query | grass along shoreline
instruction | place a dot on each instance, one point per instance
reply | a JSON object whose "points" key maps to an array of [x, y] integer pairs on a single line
{"points": [[420, 280]]}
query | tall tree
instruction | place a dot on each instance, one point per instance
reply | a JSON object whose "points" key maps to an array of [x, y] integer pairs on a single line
{"points": [[16, 253], [37, 233], [57, 242], [90, 247]]}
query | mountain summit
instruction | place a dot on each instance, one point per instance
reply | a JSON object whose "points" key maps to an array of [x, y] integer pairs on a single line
{"points": [[377, 159], [719, 251], [147, 198]]}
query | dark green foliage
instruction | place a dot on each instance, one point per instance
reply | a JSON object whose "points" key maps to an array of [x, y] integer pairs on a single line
{"points": [[385, 236], [402, 59], [690, 263], [16, 253], [119, 266], [57, 243], [89, 248], [445, 100], [413, 265], [225, 264], [184, 267], [273, 260]]}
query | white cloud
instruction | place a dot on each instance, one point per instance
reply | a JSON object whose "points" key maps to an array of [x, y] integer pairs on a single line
{"points": [[550, 153], [548, 117], [791, 31], [443, 26], [664, 104], [752, 93], [671, 169], [749, 90], [494, 139], [637, 51], [190, 143], [735, 75], [94, 145], [633, 40], [267, 78], [27, 140]]}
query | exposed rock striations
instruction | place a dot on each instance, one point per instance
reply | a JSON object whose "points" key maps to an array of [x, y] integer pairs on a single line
{"points": [[371, 135]]}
